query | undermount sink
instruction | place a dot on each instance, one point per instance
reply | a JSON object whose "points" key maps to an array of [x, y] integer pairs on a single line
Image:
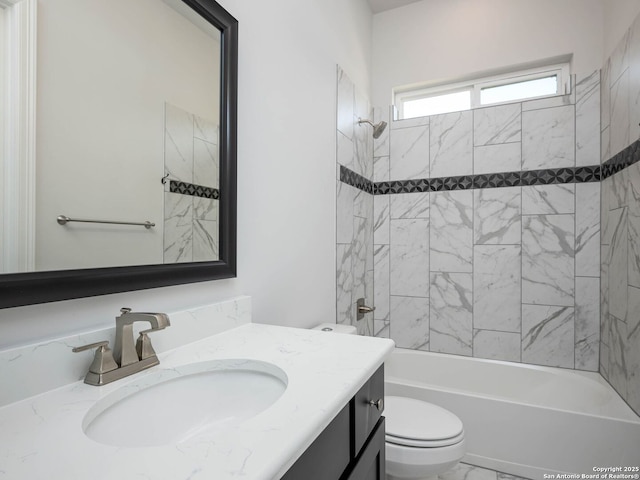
{"points": [[173, 405]]}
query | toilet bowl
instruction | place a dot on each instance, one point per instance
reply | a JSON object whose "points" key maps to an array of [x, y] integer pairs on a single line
{"points": [[422, 439]]}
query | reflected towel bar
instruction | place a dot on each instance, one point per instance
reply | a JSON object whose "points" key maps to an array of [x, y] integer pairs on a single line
{"points": [[63, 220]]}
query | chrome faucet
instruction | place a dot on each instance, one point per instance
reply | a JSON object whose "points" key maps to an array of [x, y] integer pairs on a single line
{"points": [[126, 358]]}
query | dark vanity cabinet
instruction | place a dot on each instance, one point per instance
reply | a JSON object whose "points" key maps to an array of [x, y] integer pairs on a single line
{"points": [[352, 445]]}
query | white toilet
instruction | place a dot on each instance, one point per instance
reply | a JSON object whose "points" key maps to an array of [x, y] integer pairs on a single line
{"points": [[422, 440]]}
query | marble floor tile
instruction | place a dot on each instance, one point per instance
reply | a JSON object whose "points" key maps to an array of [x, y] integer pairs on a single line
{"points": [[178, 228], [344, 283], [548, 199], [587, 324], [409, 153], [588, 229], [548, 335], [588, 120], [178, 144], [496, 345], [409, 205], [497, 288], [619, 131], [464, 471], [451, 232], [346, 104], [381, 282], [451, 314], [409, 257], [548, 138], [344, 212], [618, 266], [501, 124], [409, 322], [505, 157], [451, 144], [497, 216], [206, 242], [548, 259]]}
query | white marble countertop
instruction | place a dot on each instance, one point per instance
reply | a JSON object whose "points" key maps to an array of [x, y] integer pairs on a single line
{"points": [[42, 437]]}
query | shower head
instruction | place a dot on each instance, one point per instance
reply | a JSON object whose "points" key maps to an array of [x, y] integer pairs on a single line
{"points": [[378, 128]]}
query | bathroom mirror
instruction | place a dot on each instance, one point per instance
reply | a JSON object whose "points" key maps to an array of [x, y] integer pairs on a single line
{"points": [[136, 123]]}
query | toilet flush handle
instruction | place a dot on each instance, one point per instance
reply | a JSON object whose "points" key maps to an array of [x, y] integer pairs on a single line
{"points": [[379, 404]]}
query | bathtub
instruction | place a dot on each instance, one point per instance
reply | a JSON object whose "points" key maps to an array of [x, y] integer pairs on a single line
{"points": [[522, 419]]}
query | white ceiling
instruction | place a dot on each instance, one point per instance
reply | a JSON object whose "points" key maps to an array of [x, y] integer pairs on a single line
{"points": [[378, 6]]}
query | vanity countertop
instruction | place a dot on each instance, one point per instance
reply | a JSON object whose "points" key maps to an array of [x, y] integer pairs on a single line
{"points": [[42, 436]]}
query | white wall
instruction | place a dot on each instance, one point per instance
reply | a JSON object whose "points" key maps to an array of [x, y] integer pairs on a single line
{"points": [[618, 16], [440, 40], [286, 174]]}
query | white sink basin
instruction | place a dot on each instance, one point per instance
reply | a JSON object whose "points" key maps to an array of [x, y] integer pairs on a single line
{"points": [[171, 406]]}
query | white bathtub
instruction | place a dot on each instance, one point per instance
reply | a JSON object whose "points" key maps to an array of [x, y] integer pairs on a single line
{"points": [[523, 419]]}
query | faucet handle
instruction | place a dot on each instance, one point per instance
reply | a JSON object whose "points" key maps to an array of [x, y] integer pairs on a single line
{"points": [[143, 345], [103, 360]]}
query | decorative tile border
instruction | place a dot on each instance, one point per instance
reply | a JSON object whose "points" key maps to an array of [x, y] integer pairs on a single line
{"points": [[355, 180], [622, 160], [193, 190]]}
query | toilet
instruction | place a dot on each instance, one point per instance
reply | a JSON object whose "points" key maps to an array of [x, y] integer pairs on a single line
{"points": [[422, 440]]}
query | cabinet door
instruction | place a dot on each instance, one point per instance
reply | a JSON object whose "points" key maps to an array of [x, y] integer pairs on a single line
{"points": [[366, 413], [370, 464]]}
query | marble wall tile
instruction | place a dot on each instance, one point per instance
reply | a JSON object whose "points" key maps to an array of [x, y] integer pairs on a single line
{"points": [[409, 122], [409, 157], [588, 120], [605, 146], [362, 203], [548, 138], [548, 335], [605, 95], [178, 228], [178, 144], [618, 265], [346, 104], [634, 81], [451, 314], [381, 169], [409, 205], [381, 219], [619, 189], [345, 151], [381, 144], [633, 195], [497, 216], [588, 229], [409, 322], [632, 352], [494, 125], [604, 286], [606, 227], [619, 128], [205, 240], [205, 209], [548, 199], [587, 324], [505, 157], [496, 345], [409, 257], [381, 282], [618, 368], [206, 130], [381, 329], [548, 259], [497, 289], [362, 136], [452, 231], [451, 149], [205, 164], [619, 59], [344, 283], [549, 102], [344, 212]]}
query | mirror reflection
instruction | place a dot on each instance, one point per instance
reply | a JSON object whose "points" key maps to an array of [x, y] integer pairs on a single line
{"points": [[127, 122]]}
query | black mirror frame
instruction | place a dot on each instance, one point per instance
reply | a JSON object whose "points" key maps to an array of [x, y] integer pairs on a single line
{"points": [[21, 289]]}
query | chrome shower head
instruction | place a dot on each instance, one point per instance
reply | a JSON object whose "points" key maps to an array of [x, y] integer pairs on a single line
{"points": [[378, 128]]}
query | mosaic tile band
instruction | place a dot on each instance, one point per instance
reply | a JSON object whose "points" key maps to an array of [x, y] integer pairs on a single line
{"points": [[622, 160], [193, 190]]}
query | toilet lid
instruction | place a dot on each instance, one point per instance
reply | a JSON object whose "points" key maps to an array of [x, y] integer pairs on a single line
{"points": [[411, 421]]}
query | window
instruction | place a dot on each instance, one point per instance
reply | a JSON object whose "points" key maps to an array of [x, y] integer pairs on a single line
{"points": [[511, 87]]}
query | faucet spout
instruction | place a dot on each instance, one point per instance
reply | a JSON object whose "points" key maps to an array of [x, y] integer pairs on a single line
{"points": [[124, 350]]}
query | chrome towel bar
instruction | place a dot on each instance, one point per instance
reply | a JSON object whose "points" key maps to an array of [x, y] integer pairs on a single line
{"points": [[63, 220]]}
